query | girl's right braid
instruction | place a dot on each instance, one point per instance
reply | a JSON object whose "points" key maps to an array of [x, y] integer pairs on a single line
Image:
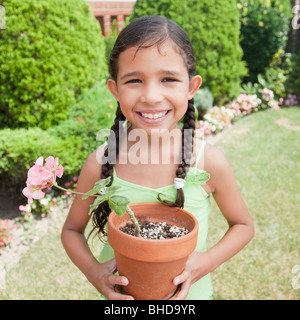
{"points": [[107, 168], [101, 213]]}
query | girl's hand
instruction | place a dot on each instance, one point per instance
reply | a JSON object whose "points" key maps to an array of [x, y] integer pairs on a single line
{"points": [[104, 280], [197, 266]]}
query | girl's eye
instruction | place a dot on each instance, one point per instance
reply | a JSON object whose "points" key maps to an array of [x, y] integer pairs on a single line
{"points": [[134, 81], [169, 80]]}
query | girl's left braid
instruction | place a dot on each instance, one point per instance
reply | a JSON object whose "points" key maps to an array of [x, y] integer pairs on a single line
{"points": [[186, 152]]}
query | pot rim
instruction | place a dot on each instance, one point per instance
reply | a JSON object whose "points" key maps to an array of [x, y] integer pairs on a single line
{"points": [[183, 238]]}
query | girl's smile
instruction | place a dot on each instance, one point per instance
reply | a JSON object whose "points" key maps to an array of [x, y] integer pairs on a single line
{"points": [[153, 117], [153, 86]]}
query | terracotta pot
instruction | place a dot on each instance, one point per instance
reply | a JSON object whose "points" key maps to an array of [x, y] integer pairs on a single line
{"points": [[151, 265]]}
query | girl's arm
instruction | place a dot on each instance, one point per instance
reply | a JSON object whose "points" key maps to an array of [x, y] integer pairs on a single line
{"points": [[100, 275], [241, 230]]}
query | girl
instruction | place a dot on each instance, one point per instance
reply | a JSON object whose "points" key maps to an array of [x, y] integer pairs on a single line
{"points": [[153, 79]]}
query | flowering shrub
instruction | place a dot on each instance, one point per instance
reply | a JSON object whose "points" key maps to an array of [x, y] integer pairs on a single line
{"points": [[219, 118], [214, 121], [202, 129], [291, 100], [267, 94], [245, 104], [6, 227]]}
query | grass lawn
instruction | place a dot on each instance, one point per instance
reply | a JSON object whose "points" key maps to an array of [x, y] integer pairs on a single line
{"points": [[265, 157], [263, 149]]}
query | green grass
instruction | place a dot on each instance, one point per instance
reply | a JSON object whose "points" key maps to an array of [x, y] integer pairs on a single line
{"points": [[266, 161], [265, 157]]}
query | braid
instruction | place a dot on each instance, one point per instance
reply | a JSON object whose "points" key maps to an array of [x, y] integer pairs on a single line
{"points": [[101, 213], [188, 132]]}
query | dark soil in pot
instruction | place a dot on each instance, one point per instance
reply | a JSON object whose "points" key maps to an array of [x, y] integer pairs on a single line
{"points": [[156, 230]]}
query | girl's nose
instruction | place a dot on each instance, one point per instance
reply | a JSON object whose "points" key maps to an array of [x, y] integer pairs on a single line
{"points": [[151, 94]]}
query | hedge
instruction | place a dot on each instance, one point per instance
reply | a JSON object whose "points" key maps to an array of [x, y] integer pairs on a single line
{"points": [[51, 52]]}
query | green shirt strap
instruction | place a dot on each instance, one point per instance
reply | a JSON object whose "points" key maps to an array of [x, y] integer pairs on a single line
{"points": [[200, 152]]}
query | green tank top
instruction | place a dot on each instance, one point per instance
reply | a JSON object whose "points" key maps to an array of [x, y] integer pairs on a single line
{"points": [[197, 202]]}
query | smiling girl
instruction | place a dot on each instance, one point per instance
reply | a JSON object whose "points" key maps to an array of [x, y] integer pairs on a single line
{"points": [[153, 79]]}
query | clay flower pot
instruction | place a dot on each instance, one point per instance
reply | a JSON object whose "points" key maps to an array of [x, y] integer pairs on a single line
{"points": [[151, 265]]}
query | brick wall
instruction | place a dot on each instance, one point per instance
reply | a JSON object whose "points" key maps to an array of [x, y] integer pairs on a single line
{"points": [[107, 11]]}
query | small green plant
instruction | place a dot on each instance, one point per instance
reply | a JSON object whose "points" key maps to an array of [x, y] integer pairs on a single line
{"points": [[117, 203]]}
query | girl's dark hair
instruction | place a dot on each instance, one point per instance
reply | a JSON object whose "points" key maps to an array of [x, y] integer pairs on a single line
{"points": [[146, 32]]}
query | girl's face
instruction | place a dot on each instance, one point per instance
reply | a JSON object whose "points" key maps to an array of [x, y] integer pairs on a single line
{"points": [[153, 86]]}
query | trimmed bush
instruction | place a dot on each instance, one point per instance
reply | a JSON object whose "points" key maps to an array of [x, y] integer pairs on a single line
{"points": [[51, 52], [214, 30], [19, 148], [72, 140]]}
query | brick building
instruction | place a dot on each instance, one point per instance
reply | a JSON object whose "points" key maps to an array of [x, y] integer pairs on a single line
{"points": [[107, 11]]}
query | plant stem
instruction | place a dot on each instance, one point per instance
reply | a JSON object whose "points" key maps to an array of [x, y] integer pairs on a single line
{"points": [[134, 221], [72, 191]]}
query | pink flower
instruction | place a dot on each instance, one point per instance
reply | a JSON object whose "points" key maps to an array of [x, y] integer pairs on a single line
{"points": [[267, 94], [37, 175], [33, 192], [39, 178], [52, 166]]}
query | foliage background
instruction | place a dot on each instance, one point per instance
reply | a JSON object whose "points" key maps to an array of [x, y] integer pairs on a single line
{"points": [[214, 31], [51, 52]]}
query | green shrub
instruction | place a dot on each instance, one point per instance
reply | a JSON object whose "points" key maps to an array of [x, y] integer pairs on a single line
{"points": [[263, 32], [111, 39], [214, 30], [51, 52], [94, 111], [293, 82], [203, 101], [19, 148], [71, 141]]}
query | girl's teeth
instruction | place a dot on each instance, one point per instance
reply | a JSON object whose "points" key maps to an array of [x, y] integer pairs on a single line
{"points": [[153, 116]]}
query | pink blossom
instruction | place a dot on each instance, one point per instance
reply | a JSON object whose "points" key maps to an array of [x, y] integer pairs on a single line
{"points": [[39, 178], [53, 166], [267, 94], [37, 175], [33, 192], [22, 208]]}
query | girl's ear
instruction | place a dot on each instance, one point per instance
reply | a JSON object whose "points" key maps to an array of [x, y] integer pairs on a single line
{"points": [[112, 87], [195, 84]]}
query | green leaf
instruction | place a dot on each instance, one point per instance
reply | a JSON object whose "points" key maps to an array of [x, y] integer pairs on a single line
{"points": [[118, 204], [111, 190], [98, 185], [96, 203]]}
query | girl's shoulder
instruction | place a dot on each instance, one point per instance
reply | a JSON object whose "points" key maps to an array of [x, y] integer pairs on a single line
{"points": [[217, 165], [214, 157], [92, 167], [208, 156]]}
